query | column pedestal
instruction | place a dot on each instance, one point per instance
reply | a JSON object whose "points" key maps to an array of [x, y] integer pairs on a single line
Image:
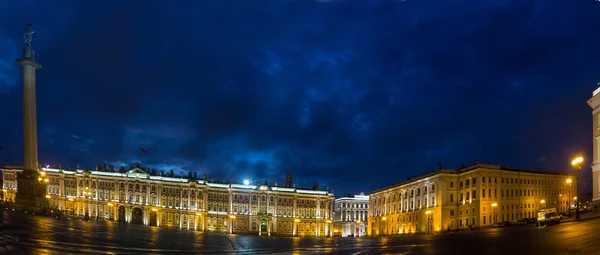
{"points": [[31, 193]]}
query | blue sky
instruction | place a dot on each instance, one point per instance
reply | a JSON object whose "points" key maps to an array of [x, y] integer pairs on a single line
{"points": [[353, 95]]}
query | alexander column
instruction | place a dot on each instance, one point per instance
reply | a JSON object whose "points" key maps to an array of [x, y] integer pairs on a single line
{"points": [[30, 190]]}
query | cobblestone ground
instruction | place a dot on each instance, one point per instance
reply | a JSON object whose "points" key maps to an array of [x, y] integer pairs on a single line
{"points": [[28, 234]]}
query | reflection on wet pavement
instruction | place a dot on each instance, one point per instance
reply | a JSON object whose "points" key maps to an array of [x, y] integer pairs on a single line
{"points": [[24, 233]]}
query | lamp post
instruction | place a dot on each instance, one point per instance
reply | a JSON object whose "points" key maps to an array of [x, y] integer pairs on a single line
{"points": [[428, 213], [384, 226], [110, 205], [494, 208], [72, 207], [576, 163], [47, 197], [569, 198]]}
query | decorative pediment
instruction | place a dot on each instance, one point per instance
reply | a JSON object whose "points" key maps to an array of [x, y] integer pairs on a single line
{"points": [[264, 187], [136, 171]]}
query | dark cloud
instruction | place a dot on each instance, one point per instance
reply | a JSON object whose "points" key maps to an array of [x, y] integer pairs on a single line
{"points": [[352, 95]]}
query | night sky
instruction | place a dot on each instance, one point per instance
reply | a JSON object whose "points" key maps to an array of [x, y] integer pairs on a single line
{"points": [[352, 95]]}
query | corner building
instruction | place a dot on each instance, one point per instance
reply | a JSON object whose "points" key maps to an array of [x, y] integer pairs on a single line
{"points": [[472, 197], [594, 103], [137, 197], [351, 213]]}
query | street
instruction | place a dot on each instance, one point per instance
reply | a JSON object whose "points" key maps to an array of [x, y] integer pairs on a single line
{"points": [[28, 234]]}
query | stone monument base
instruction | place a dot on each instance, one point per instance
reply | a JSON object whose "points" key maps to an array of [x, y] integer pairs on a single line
{"points": [[31, 193]]}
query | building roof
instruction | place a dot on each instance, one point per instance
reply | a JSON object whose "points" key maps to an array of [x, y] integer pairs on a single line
{"points": [[465, 169], [141, 174]]}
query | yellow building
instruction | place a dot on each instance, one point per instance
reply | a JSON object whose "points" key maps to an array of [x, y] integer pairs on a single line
{"points": [[594, 102], [134, 196], [472, 197]]}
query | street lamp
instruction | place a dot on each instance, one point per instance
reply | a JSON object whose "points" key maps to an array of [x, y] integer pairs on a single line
{"points": [[428, 213], [383, 225], [47, 197], [494, 207], [543, 202], [569, 198], [577, 166]]}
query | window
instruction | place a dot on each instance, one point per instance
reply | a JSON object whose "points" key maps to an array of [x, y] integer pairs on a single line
{"points": [[451, 212], [483, 193], [451, 184], [474, 194]]}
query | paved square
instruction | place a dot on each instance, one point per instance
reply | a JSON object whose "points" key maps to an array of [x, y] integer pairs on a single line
{"points": [[24, 233]]}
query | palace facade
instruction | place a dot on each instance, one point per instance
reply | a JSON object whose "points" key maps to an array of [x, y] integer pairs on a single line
{"points": [[136, 197], [351, 213], [471, 197]]}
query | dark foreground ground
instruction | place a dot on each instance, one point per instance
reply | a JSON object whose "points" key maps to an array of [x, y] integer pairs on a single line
{"points": [[27, 234]]}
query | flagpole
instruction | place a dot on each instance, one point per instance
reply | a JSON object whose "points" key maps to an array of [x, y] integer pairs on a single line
{"points": [[141, 155]]}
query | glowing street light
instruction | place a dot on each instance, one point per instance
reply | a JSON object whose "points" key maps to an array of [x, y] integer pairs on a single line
{"points": [[494, 206], [543, 202], [577, 166], [577, 161], [428, 213]]}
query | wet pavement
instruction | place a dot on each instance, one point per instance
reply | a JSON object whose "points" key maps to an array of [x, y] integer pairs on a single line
{"points": [[28, 234]]}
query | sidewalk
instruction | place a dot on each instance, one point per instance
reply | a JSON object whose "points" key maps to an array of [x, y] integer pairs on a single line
{"points": [[582, 216]]}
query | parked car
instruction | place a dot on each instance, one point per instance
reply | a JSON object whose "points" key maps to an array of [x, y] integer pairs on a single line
{"points": [[500, 224]]}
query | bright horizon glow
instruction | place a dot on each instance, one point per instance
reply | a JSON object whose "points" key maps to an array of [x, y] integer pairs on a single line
{"points": [[246, 182]]}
